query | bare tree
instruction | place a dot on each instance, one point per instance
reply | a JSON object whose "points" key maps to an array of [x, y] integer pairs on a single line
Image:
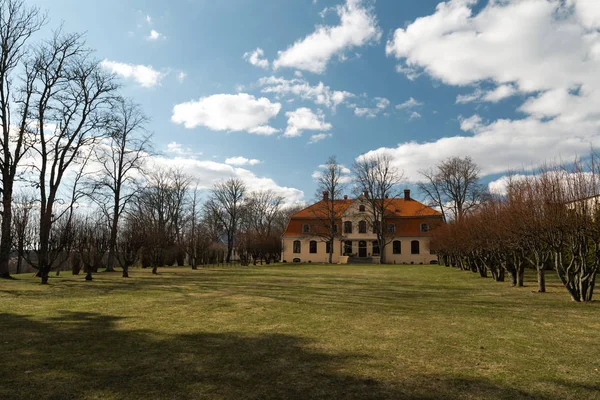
{"points": [[379, 181], [17, 24], [21, 220], [331, 184], [453, 186], [259, 235], [72, 103], [159, 214], [225, 205], [121, 160]]}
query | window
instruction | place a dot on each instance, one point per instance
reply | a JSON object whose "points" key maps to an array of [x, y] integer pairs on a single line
{"points": [[297, 246], [305, 228], [391, 228], [348, 227], [312, 247], [424, 227], [361, 208], [375, 226], [362, 227], [397, 247], [414, 247], [348, 247], [335, 228], [327, 247], [376, 251]]}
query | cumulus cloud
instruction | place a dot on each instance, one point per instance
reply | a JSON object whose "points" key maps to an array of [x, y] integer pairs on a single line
{"points": [[318, 137], [207, 172], [358, 27], [228, 112], [181, 76], [154, 35], [304, 119], [239, 161], [319, 94], [506, 44], [144, 75], [381, 104], [410, 103], [256, 58]]}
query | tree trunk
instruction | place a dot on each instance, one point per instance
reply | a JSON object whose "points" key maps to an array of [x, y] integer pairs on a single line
{"points": [[110, 260], [6, 231], [500, 275], [125, 271], [541, 278], [520, 275], [155, 270]]}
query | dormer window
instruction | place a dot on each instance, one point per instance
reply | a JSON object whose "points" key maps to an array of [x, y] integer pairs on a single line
{"points": [[391, 228], [362, 209], [424, 228], [305, 228]]}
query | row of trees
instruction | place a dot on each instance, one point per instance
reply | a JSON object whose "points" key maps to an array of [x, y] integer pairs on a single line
{"points": [[546, 220]]}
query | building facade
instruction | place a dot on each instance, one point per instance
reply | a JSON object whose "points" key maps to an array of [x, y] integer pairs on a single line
{"points": [[408, 224]]}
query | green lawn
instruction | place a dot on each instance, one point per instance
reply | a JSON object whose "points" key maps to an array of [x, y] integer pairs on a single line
{"points": [[295, 332]]}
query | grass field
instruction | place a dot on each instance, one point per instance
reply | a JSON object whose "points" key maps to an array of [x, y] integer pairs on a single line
{"points": [[295, 332]]}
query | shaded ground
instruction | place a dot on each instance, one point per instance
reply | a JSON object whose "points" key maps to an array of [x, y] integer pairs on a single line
{"points": [[295, 332]]}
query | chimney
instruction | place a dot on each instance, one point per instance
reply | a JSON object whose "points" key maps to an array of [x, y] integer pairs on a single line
{"points": [[406, 194], [366, 194], [345, 197], [387, 196], [325, 195]]}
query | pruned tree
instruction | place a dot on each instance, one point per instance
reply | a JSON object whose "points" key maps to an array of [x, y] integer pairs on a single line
{"points": [[379, 181], [18, 22], [225, 207], [453, 186], [120, 159]]}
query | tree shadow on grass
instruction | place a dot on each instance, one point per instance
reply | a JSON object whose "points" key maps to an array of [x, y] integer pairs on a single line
{"points": [[89, 355]]}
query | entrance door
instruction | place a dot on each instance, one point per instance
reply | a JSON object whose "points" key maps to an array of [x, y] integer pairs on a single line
{"points": [[362, 248]]}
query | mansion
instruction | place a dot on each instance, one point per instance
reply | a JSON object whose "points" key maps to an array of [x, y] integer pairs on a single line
{"points": [[407, 223]]}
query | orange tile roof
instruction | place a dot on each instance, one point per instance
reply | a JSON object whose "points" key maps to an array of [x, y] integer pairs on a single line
{"points": [[399, 208]]}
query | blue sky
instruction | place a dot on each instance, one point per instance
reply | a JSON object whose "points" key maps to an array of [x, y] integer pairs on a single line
{"points": [[509, 83]]}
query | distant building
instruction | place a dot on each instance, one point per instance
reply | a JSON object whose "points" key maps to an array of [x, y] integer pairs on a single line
{"points": [[408, 222]]}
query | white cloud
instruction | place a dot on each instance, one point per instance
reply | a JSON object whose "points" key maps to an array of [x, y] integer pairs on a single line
{"points": [[148, 19], [499, 93], [154, 35], [410, 103], [228, 112], [319, 94], [206, 173], [414, 115], [181, 76], [358, 27], [304, 119], [256, 58], [179, 150], [545, 50], [146, 76], [318, 137], [381, 104], [239, 161]]}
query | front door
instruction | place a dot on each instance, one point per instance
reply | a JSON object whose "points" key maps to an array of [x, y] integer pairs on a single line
{"points": [[362, 248]]}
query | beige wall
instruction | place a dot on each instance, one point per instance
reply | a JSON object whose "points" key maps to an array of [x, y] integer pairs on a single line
{"points": [[322, 257]]}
